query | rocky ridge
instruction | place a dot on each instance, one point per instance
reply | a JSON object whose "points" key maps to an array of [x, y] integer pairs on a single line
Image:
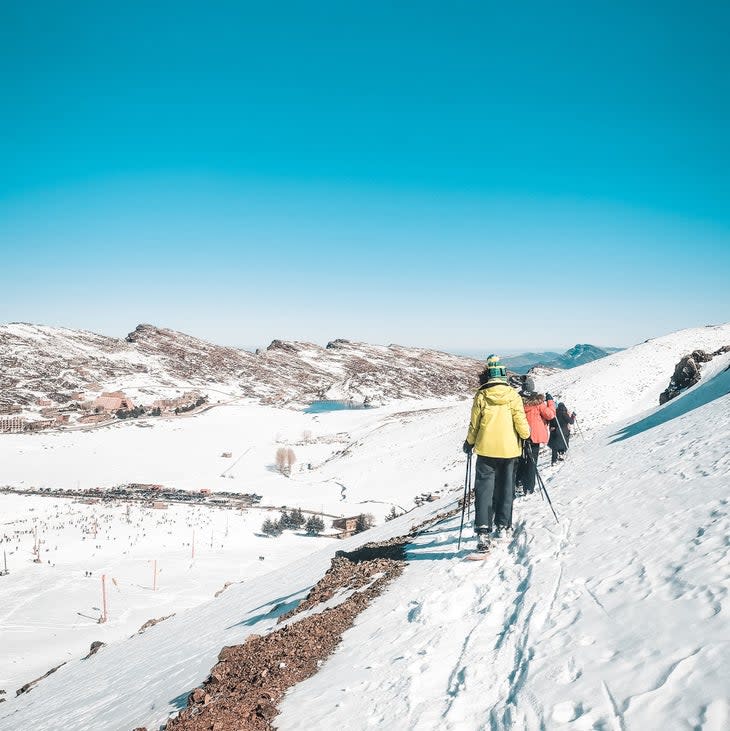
{"points": [[56, 368], [688, 372]]}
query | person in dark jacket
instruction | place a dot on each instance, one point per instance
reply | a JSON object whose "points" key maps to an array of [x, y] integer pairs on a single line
{"points": [[560, 432], [540, 411], [496, 429]]}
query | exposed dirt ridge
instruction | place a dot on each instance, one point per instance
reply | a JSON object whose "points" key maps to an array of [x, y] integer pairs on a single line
{"points": [[249, 680], [244, 688]]}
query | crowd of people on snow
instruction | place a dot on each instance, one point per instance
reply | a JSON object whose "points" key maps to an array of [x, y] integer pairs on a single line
{"points": [[508, 425]]}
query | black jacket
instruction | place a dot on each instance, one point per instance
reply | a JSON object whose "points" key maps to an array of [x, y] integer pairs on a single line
{"points": [[564, 419]]}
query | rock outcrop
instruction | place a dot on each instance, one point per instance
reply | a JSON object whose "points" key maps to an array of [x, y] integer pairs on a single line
{"points": [[687, 372]]}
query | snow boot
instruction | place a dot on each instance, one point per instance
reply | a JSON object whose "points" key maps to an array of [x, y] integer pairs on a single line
{"points": [[502, 533], [482, 542]]}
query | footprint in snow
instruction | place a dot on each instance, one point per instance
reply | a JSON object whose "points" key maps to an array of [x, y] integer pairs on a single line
{"points": [[567, 712], [569, 673], [414, 612]]}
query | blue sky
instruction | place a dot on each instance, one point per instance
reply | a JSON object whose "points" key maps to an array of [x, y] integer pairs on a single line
{"points": [[461, 175]]}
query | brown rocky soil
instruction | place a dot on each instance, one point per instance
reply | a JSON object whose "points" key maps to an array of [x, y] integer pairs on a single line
{"points": [[29, 686], [244, 688]]}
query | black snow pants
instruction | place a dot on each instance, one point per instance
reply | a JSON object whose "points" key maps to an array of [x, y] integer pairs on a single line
{"points": [[493, 492], [527, 467]]}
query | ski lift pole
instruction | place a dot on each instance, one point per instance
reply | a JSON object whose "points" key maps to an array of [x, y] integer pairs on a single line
{"points": [[467, 490], [541, 484]]}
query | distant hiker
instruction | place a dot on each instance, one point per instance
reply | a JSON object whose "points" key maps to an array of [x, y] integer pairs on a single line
{"points": [[540, 411], [560, 432], [497, 425]]}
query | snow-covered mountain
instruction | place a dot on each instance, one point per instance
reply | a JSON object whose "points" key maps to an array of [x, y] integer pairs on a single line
{"points": [[616, 617], [579, 354], [44, 367]]}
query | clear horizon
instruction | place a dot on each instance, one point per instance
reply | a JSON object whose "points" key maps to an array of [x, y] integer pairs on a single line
{"points": [[384, 174]]}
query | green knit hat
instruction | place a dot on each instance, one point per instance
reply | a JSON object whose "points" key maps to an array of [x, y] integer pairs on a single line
{"points": [[496, 370]]}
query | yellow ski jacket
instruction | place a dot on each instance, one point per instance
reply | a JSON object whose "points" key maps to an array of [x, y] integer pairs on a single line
{"points": [[498, 422]]}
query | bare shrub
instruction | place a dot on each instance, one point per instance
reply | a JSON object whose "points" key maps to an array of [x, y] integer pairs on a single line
{"points": [[291, 458], [281, 459]]}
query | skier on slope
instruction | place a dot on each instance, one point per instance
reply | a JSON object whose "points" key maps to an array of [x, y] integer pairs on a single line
{"points": [[540, 410], [497, 426]]}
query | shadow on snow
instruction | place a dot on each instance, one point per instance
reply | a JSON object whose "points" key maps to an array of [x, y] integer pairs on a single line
{"points": [[702, 394]]}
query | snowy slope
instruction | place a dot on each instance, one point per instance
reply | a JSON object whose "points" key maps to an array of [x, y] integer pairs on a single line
{"points": [[616, 618], [631, 380]]}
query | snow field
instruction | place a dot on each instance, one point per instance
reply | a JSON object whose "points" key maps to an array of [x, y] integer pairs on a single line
{"points": [[616, 618], [49, 612], [154, 672]]}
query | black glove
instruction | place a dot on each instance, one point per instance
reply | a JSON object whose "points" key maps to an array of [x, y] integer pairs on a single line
{"points": [[548, 397], [467, 447]]}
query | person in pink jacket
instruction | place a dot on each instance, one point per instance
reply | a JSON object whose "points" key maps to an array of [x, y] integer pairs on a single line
{"points": [[540, 410]]}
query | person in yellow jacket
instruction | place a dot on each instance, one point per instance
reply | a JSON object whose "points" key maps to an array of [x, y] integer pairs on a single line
{"points": [[497, 428]]}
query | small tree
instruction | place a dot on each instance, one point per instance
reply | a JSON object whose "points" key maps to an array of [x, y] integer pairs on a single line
{"points": [[296, 518], [392, 514], [271, 527], [291, 458], [281, 459], [364, 521], [285, 521], [314, 525]]}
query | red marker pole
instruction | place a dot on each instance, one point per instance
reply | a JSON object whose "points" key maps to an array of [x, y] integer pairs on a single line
{"points": [[105, 614]]}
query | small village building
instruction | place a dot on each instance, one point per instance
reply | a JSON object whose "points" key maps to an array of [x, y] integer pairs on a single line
{"points": [[92, 418], [11, 424], [39, 424], [113, 402], [346, 526], [159, 505]]}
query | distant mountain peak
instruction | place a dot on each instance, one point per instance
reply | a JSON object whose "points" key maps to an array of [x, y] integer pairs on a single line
{"points": [[579, 354]]}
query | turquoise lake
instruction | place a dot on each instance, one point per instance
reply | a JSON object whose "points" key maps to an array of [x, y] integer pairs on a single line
{"points": [[320, 407]]}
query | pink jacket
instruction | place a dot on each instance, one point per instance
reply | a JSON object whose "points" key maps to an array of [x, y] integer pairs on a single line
{"points": [[539, 413]]}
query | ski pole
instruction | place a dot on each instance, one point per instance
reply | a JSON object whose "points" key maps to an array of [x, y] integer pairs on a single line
{"points": [[562, 436], [579, 430], [467, 486], [468, 494], [543, 488], [532, 456]]}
